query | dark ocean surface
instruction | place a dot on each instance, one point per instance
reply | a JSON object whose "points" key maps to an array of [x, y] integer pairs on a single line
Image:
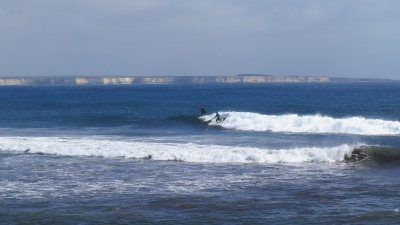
{"points": [[307, 153]]}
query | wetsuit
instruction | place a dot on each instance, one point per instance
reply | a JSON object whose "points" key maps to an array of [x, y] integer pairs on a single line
{"points": [[202, 111], [218, 118]]}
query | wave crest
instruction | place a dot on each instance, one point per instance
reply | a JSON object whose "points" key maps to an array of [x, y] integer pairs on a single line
{"points": [[294, 123], [172, 151]]}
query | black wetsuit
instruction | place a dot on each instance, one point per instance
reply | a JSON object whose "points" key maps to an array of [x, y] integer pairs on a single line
{"points": [[218, 118], [202, 111]]}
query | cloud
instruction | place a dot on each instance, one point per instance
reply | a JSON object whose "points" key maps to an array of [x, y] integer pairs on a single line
{"points": [[176, 37]]}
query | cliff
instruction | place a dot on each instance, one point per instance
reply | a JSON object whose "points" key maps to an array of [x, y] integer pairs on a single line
{"points": [[243, 78]]}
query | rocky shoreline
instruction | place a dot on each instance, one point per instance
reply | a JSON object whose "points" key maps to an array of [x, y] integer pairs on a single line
{"points": [[180, 79]]}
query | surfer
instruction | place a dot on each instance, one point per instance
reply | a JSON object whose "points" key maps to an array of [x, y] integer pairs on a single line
{"points": [[202, 111], [218, 118]]}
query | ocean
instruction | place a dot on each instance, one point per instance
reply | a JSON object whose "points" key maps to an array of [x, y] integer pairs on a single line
{"points": [[305, 153]]}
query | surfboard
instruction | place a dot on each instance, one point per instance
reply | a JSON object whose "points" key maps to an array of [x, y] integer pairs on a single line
{"points": [[222, 119]]}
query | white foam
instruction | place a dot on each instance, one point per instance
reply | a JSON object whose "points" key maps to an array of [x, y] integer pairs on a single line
{"points": [[171, 151], [305, 124]]}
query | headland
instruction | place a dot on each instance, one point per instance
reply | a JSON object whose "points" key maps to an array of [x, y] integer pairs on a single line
{"points": [[241, 78]]}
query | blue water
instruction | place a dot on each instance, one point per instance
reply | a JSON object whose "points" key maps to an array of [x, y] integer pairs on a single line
{"points": [[127, 154]]}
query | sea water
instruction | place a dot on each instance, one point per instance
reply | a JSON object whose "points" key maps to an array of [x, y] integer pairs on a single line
{"points": [[305, 153]]}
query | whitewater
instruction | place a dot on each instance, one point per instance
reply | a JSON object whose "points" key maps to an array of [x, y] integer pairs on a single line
{"points": [[98, 147], [294, 123]]}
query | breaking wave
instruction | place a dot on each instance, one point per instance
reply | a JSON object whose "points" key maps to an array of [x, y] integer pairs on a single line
{"points": [[378, 154], [294, 123], [96, 147]]}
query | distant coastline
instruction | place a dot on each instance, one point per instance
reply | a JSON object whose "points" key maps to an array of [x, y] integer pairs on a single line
{"points": [[241, 78]]}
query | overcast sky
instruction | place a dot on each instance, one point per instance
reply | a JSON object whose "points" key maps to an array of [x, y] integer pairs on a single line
{"points": [[337, 38]]}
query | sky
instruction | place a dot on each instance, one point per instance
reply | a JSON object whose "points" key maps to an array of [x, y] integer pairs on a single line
{"points": [[335, 38]]}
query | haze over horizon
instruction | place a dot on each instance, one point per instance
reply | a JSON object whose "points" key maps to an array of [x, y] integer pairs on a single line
{"points": [[335, 38]]}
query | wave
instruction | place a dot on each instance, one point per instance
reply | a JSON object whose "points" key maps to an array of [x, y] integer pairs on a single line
{"points": [[294, 123], [378, 154], [182, 119], [188, 152]]}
